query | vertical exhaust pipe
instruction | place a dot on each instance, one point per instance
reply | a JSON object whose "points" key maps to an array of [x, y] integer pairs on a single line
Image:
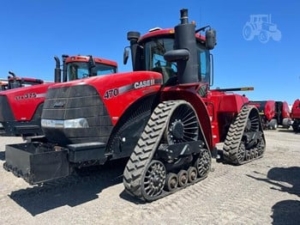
{"points": [[12, 74], [57, 70], [65, 74], [133, 37]]}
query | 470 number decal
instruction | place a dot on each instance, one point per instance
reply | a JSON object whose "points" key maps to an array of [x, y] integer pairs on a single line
{"points": [[111, 93]]}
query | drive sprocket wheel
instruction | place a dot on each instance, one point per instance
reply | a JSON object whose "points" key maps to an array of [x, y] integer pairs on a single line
{"points": [[183, 125]]}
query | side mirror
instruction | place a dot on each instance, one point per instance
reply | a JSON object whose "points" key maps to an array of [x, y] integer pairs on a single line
{"points": [[211, 41], [91, 62], [177, 55], [125, 55]]}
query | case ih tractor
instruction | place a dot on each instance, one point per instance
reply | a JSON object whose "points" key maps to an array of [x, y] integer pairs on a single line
{"points": [[273, 114], [163, 117], [21, 108], [13, 81], [295, 115]]}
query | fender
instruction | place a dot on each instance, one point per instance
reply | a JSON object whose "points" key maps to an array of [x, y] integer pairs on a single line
{"points": [[188, 94]]}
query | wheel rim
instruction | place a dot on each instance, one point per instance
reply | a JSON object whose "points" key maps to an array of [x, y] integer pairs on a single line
{"points": [[203, 163], [172, 182], [192, 174], [252, 124], [183, 125], [154, 179], [241, 154], [261, 147], [182, 178]]}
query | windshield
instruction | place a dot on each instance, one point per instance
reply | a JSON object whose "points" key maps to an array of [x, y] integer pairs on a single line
{"points": [[79, 70], [155, 49]]}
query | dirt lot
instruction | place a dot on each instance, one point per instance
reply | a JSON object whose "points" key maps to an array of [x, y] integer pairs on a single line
{"points": [[265, 191]]}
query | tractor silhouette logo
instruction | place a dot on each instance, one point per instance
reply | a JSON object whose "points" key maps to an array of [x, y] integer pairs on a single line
{"points": [[261, 26]]}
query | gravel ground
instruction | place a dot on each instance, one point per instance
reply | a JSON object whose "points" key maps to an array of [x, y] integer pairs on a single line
{"points": [[265, 191]]}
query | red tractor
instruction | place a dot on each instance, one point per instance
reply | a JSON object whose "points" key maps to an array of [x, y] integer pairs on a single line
{"points": [[13, 81], [295, 115], [162, 116], [21, 108], [273, 114]]}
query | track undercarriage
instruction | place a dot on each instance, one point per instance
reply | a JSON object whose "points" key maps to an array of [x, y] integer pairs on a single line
{"points": [[171, 155], [245, 141]]}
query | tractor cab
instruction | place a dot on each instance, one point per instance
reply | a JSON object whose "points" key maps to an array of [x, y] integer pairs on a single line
{"points": [[148, 52], [79, 67], [94, 67], [13, 81]]}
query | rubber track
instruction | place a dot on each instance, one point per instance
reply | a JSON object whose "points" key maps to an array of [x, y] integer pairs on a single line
{"points": [[234, 138], [145, 149]]}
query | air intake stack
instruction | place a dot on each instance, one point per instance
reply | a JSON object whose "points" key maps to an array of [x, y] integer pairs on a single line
{"points": [[185, 50]]}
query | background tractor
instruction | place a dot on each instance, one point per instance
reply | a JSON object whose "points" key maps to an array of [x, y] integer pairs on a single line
{"points": [[273, 114], [261, 26], [295, 115], [163, 117], [21, 108], [13, 81]]}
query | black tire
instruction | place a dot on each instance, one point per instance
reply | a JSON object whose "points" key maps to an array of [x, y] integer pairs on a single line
{"points": [[273, 124]]}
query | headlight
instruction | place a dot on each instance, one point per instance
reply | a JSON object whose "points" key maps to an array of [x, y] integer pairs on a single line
{"points": [[76, 123], [73, 123]]}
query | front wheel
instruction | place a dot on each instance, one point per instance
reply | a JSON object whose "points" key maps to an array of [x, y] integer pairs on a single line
{"points": [[248, 32]]}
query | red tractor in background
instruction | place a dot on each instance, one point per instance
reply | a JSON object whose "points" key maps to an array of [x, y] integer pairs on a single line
{"points": [[295, 115], [162, 116], [13, 81], [21, 108], [273, 114]]}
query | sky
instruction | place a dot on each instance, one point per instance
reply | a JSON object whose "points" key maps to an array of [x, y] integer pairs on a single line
{"points": [[34, 31]]}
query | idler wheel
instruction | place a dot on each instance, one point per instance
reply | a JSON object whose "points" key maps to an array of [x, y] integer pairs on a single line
{"points": [[183, 178], [171, 182], [192, 174]]}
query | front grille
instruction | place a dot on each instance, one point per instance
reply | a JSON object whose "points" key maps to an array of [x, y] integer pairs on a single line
{"points": [[82, 101], [6, 114]]}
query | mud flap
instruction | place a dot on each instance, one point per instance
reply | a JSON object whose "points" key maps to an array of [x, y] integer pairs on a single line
{"points": [[35, 164]]}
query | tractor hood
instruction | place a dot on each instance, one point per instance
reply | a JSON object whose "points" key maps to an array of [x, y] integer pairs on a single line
{"points": [[21, 90], [21, 103], [137, 79]]}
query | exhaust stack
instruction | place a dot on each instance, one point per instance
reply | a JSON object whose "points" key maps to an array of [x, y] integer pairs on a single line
{"points": [[57, 70], [65, 75]]}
